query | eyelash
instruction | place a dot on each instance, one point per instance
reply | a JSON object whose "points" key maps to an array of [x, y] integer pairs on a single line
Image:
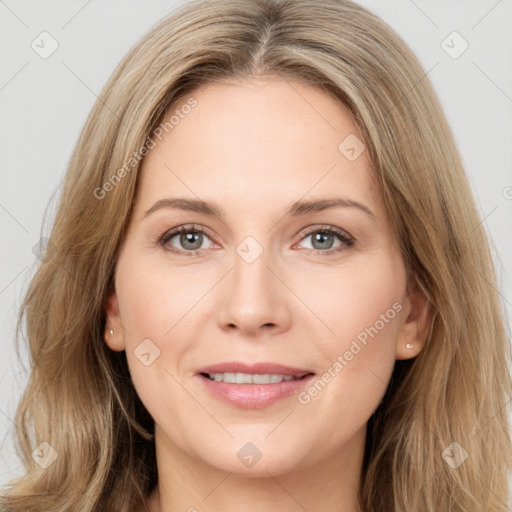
{"points": [[344, 237]]}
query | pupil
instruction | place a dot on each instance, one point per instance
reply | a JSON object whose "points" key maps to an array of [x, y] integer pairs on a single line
{"points": [[188, 238], [321, 237]]}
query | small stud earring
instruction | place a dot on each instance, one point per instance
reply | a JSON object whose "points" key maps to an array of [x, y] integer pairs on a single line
{"points": [[409, 345], [111, 332]]}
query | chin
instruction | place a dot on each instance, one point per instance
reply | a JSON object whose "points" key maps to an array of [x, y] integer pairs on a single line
{"points": [[249, 461]]}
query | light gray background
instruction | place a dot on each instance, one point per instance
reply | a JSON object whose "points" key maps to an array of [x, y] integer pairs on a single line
{"points": [[45, 102]]}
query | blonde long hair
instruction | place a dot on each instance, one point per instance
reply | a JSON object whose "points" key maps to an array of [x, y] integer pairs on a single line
{"points": [[80, 399]]}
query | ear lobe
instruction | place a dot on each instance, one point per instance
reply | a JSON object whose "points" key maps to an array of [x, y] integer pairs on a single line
{"points": [[415, 329], [114, 335]]}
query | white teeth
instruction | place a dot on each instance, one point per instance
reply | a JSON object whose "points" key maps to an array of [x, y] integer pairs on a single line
{"points": [[246, 378]]}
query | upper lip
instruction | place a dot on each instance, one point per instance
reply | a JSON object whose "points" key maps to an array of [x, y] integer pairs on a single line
{"points": [[262, 368]]}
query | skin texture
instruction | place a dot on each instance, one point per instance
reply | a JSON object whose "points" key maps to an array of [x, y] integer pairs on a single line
{"points": [[254, 148]]}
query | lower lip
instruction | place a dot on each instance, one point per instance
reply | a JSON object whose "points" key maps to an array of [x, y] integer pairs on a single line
{"points": [[254, 396]]}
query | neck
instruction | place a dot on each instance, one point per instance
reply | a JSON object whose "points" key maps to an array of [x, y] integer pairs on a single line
{"points": [[188, 484]]}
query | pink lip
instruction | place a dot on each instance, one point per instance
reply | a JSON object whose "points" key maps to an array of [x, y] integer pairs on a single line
{"points": [[254, 396]]}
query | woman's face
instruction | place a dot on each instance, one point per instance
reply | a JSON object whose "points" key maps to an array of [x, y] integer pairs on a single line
{"points": [[265, 283]]}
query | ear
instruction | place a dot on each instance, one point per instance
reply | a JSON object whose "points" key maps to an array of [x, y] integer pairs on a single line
{"points": [[416, 324], [115, 341]]}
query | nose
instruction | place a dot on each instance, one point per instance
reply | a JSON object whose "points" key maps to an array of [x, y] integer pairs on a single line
{"points": [[253, 297]]}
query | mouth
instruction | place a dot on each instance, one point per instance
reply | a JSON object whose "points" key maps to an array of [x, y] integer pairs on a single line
{"points": [[239, 370], [253, 386]]}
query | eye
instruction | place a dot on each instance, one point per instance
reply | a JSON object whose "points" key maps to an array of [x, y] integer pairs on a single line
{"points": [[191, 239], [324, 237]]}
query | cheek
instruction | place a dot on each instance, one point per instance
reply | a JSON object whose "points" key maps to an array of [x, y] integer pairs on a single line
{"points": [[154, 300], [352, 297], [363, 308], [161, 310], [150, 308]]}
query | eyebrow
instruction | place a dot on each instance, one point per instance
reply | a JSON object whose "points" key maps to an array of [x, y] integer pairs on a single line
{"points": [[295, 210]]}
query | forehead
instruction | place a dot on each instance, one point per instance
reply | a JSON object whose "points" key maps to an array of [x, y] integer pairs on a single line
{"points": [[264, 141]]}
